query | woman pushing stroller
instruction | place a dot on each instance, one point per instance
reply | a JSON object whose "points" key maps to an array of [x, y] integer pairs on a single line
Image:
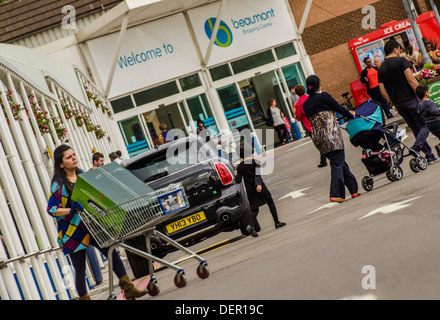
{"points": [[326, 135]]}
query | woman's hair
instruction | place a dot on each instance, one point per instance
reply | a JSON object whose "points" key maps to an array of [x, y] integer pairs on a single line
{"points": [[312, 83], [300, 90], [59, 174], [269, 103]]}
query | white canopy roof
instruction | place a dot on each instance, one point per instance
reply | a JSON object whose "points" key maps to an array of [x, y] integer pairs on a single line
{"points": [[34, 67]]}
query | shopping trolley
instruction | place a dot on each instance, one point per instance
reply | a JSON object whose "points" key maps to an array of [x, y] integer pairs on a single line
{"points": [[112, 226]]}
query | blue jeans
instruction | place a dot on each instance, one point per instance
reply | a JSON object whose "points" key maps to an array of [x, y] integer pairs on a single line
{"points": [[79, 263], [341, 175], [408, 110]]}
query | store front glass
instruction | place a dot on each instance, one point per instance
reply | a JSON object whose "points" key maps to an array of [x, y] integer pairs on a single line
{"points": [[294, 74], [170, 115], [133, 135], [234, 109], [200, 110]]}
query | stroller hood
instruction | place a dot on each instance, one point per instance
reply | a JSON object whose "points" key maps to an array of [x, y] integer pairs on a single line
{"points": [[369, 110]]}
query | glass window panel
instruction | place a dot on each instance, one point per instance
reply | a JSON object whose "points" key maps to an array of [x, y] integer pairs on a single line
{"points": [[234, 110], [156, 93], [133, 135], [294, 74], [220, 72], [285, 51], [252, 62], [200, 110], [122, 104], [190, 82]]}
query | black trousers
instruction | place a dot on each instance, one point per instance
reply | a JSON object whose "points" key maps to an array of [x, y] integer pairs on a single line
{"points": [[281, 132], [273, 211], [79, 263], [341, 175]]}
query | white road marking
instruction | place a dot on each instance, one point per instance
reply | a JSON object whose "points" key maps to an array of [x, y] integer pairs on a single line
{"points": [[390, 208], [325, 206], [295, 194], [299, 146]]}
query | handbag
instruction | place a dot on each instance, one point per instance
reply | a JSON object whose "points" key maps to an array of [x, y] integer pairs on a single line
{"points": [[269, 122]]}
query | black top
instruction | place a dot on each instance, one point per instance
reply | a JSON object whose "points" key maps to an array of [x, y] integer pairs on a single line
{"points": [[249, 171], [391, 74], [319, 102]]}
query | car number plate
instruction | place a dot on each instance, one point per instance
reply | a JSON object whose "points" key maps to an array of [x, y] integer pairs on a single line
{"points": [[185, 222]]}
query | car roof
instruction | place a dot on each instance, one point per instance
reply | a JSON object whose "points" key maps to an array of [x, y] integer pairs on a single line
{"points": [[162, 147]]}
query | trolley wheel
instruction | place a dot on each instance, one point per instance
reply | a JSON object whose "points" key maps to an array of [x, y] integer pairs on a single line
{"points": [[153, 288], [202, 270], [422, 163], [367, 183], [180, 279], [396, 172], [413, 165], [390, 177]]}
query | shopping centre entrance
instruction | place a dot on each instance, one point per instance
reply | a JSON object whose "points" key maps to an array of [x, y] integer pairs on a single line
{"points": [[245, 103]]}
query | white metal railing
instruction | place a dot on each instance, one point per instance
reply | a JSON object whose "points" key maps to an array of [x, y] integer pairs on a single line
{"points": [[32, 266]]}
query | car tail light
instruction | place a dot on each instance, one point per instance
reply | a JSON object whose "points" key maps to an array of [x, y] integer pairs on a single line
{"points": [[224, 173]]}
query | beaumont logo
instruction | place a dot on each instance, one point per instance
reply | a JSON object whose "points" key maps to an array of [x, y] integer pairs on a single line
{"points": [[224, 34], [254, 23]]}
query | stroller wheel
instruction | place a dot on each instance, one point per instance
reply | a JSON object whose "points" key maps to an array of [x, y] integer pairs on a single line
{"points": [[422, 163], [390, 177], [413, 165], [396, 172], [367, 183]]}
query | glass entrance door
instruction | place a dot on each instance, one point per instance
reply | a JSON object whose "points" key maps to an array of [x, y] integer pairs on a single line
{"points": [[133, 135], [165, 117]]}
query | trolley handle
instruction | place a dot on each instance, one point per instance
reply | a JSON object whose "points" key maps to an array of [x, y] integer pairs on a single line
{"points": [[76, 206]]}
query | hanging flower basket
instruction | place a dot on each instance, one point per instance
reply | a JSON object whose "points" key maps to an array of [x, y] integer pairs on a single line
{"points": [[15, 108], [67, 110], [41, 116], [60, 129]]}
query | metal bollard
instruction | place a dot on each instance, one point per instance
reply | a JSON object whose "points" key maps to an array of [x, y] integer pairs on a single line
{"points": [[256, 144], [295, 128]]}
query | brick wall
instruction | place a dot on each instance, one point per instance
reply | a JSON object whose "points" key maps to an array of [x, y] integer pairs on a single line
{"points": [[23, 18], [341, 29], [326, 42]]}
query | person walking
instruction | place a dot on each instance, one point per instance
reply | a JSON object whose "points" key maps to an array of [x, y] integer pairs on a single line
{"points": [[73, 235], [369, 79], [320, 109], [301, 116], [274, 115], [398, 86], [97, 160], [429, 112], [257, 192]]}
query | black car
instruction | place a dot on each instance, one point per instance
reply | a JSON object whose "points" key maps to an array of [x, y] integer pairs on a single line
{"points": [[216, 202]]}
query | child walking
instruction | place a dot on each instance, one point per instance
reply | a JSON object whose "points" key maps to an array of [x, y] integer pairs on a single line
{"points": [[288, 127], [429, 111], [257, 192]]}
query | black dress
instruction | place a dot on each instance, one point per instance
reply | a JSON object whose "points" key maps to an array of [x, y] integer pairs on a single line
{"points": [[249, 172]]}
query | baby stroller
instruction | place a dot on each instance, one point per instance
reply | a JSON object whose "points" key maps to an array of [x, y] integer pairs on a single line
{"points": [[382, 150]]}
